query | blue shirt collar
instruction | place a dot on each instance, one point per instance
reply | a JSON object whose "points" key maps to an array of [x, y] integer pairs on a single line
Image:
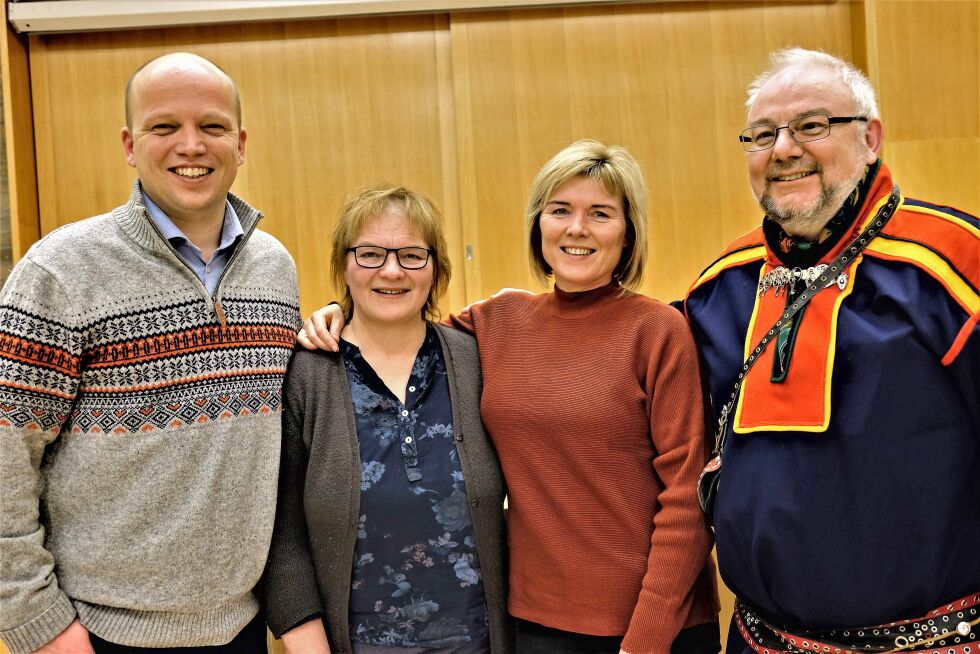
{"points": [[231, 229]]}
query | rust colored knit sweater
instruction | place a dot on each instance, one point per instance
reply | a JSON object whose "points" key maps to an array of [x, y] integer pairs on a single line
{"points": [[593, 401]]}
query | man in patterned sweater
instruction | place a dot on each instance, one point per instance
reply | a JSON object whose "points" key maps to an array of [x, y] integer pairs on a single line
{"points": [[141, 358]]}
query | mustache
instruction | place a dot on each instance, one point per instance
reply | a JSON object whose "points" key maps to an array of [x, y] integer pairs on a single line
{"points": [[777, 168]]}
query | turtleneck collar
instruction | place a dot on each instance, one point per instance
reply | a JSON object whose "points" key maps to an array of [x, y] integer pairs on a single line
{"points": [[578, 304]]}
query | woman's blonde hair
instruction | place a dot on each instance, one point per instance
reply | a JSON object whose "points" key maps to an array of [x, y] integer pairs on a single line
{"points": [[620, 175], [424, 219]]}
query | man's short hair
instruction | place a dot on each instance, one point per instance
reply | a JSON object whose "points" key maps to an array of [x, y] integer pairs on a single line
{"points": [[128, 96], [620, 175], [856, 81]]}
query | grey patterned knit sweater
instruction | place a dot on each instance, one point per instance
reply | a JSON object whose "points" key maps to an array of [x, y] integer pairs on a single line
{"points": [[139, 433]]}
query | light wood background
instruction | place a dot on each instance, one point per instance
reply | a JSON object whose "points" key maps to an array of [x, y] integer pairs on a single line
{"points": [[467, 106]]}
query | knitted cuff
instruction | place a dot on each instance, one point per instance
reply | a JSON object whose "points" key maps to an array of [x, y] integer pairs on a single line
{"points": [[42, 629]]}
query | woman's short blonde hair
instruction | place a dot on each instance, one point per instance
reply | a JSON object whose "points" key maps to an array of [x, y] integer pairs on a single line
{"points": [[424, 219], [620, 175]]}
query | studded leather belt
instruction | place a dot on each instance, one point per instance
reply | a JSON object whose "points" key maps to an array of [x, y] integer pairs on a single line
{"points": [[953, 628]]}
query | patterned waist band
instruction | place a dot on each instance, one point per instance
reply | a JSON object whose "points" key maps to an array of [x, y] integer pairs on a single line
{"points": [[953, 628]]}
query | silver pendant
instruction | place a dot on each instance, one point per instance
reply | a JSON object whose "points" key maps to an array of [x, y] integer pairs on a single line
{"points": [[783, 279]]}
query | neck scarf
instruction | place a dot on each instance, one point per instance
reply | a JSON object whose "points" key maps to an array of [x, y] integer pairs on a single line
{"points": [[797, 252]]}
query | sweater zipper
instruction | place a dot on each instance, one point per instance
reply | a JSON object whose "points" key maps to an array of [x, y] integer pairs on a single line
{"points": [[219, 311]]}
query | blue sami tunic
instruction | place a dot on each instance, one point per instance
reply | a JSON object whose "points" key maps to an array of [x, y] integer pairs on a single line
{"points": [[416, 579], [850, 491]]}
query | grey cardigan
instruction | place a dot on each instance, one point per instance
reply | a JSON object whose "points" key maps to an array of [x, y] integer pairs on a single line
{"points": [[309, 567]]}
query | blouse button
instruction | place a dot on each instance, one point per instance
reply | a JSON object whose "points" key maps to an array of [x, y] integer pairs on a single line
{"points": [[408, 439], [405, 412], [475, 502], [411, 389]]}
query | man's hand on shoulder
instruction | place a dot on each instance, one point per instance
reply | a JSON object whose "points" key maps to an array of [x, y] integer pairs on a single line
{"points": [[73, 640], [321, 331]]}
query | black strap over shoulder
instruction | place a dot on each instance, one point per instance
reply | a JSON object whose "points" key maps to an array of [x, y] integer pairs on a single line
{"points": [[711, 475]]}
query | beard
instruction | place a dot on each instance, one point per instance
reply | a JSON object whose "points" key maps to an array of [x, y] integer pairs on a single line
{"points": [[811, 217]]}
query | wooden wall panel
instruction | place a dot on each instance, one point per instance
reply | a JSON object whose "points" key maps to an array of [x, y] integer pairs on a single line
{"points": [[664, 80], [77, 83], [329, 106], [18, 128], [342, 104], [928, 82]]}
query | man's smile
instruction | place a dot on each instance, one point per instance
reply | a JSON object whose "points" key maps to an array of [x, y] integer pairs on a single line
{"points": [[192, 172], [794, 176]]}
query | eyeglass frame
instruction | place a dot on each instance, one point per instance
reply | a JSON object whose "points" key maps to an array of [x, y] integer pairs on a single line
{"points": [[831, 121], [428, 255]]}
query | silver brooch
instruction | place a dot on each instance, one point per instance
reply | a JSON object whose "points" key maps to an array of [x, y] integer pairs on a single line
{"points": [[783, 279]]}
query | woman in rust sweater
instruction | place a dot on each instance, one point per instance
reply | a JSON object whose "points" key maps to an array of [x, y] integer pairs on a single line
{"points": [[592, 398]]}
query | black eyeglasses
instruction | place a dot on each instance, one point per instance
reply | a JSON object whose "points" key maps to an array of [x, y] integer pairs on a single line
{"points": [[807, 128], [374, 256]]}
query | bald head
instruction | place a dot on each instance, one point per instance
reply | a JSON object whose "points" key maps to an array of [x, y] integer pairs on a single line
{"points": [[185, 138], [175, 62]]}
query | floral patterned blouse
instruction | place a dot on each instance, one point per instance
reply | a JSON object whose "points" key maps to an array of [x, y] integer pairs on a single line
{"points": [[416, 576]]}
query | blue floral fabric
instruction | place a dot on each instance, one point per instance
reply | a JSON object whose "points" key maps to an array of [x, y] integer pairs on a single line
{"points": [[416, 577]]}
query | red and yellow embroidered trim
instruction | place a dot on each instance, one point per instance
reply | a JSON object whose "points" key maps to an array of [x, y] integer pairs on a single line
{"points": [[802, 401]]}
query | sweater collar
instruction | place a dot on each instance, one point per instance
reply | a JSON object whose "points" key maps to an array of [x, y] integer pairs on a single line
{"points": [[575, 304], [134, 219]]}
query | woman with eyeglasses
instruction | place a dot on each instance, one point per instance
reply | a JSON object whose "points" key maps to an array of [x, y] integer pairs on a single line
{"points": [[593, 399], [389, 534]]}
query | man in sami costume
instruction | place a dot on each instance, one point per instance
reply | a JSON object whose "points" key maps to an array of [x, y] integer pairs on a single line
{"points": [[142, 354], [847, 515]]}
